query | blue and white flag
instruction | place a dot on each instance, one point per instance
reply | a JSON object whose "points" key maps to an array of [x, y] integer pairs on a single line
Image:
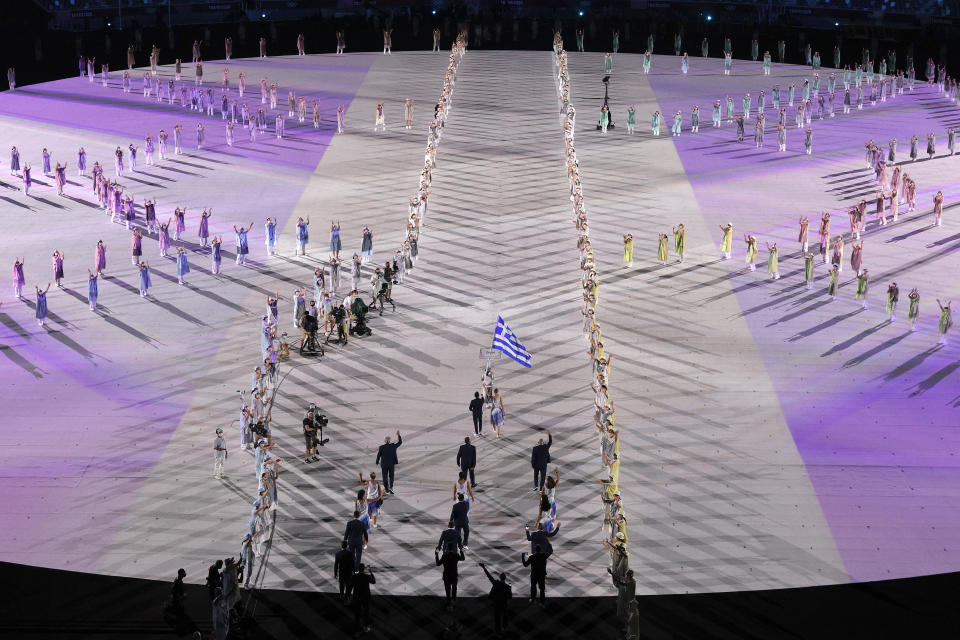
{"points": [[506, 341]]}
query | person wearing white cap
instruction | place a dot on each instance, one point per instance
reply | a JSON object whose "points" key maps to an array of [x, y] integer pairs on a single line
{"points": [[246, 557], [260, 456], [256, 524], [219, 453]]}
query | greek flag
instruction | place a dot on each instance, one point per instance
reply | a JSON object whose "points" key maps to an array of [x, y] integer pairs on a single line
{"points": [[504, 340]]}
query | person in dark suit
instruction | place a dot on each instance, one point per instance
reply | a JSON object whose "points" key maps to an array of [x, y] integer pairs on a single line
{"points": [[461, 520], [467, 459], [539, 459], [361, 598], [541, 538], [451, 558], [538, 573], [450, 534], [500, 594], [387, 459], [356, 537], [476, 408], [343, 569]]}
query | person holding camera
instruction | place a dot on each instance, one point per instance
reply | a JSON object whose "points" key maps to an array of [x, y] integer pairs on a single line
{"points": [[310, 326], [310, 439], [339, 319], [389, 276]]}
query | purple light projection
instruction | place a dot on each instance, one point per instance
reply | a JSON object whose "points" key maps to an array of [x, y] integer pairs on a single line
{"points": [[111, 412], [873, 409]]}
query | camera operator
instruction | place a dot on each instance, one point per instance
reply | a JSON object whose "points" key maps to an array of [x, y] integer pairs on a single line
{"points": [[377, 284], [261, 428], [339, 315], [310, 327], [309, 438], [316, 422], [389, 271]]}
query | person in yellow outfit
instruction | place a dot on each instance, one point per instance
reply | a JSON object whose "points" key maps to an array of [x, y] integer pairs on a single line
{"points": [[662, 250], [773, 262], [751, 242], [679, 240], [628, 249], [726, 245]]}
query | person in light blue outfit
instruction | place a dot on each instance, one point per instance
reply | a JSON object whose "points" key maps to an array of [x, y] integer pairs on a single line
{"points": [[684, 63], [607, 63], [655, 123], [145, 282], [727, 64], [776, 97], [319, 284], [677, 122], [42, 305], [761, 102], [366, 245], [767, 60], [92, 289], [729, 109], [216, 257], [270, 235], [695, 119], [335, 244], [243, 245], [303, 235], [183, 267], [716, 113], [747, 102], [266, 338], [646, 62]]}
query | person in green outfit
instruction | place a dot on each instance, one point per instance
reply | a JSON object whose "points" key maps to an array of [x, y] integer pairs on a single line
{"points": [[863, 284], [655, 121], [662, 251], [913, 313], [631, 118], [773, 263], [726, 245], [893, 296], [834, 282], [946, 321], [751, 243], [604, 118], [580, 40], [808, 269], [628, 249], [679, 240], [677, 123], [607, 63]]}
